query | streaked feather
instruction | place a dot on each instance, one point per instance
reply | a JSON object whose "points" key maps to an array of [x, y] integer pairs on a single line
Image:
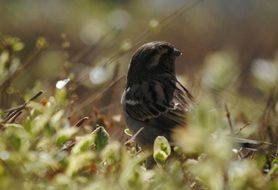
{"points": [[164, 102]]}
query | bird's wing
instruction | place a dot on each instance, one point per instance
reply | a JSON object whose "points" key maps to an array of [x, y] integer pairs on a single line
{"points": [[164, 101]]}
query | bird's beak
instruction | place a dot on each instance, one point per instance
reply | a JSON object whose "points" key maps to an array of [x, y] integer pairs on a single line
{"points": [[177, 52]]}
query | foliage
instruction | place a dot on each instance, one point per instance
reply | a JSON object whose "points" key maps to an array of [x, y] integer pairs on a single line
{"points": [[42, 148], [45, 151]]}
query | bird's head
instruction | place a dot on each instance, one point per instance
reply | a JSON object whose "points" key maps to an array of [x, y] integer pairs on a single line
{"points": [[152, 59]]}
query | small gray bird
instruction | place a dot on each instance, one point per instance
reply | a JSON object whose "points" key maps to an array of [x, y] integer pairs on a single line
{"points": [[154, 101]]}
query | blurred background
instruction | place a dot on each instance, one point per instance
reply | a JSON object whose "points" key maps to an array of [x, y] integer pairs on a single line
{"points": [[85, 46]]}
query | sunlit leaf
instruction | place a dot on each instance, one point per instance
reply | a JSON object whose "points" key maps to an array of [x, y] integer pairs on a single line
{"points": [[162, 149]]}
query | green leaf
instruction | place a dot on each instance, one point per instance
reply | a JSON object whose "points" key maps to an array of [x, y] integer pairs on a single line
{"points": [[77, 162], [111, 153], [84, 143], [65, 134], [162, 149], [101, 138]]}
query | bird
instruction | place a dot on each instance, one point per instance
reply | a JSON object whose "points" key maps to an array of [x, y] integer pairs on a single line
{"points": [[154, 101]]}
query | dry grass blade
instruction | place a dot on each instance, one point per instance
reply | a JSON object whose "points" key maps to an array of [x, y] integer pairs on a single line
{"points": [[34, 97], [13, 113], [68, 146], [228, 115], [12, 120], [134, 136], [238, 132], [81, 121]]}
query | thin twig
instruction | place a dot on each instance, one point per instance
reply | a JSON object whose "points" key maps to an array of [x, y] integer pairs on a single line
{"points": [[34, 97], [248, 154], [228, 115], [134, 136], [246, 125]]}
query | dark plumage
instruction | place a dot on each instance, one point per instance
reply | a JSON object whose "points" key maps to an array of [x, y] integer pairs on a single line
{"points": [[155, 102], [153, 98]]}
